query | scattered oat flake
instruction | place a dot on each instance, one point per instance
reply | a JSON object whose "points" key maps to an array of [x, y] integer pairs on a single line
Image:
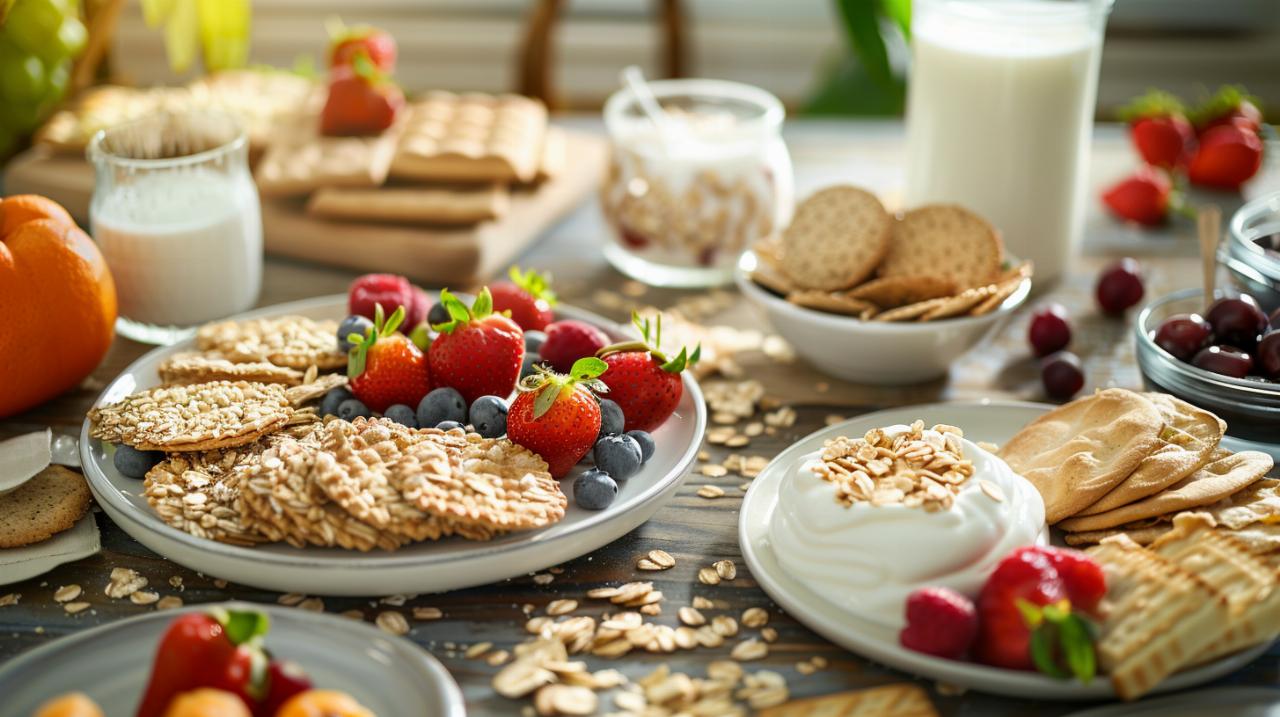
{"points": [[397, 600], [561, 607], [726, 569], [711, 492], [169, 602], [991, 490], [754, 617], [220, 584], [352, 614], [175, 581], [427, 613], [947, 689], [662, 557], [708, 576], [478, 649], [691, 616], [647, 564], [833, 418], [713, 470], [704, 455], [769, 634], [291, 599], [144, 597], [543, 579], [313, 604], [67, 593], [497, 657], [805, 668], [651, 609], [749, 649], [392, 622], [123, 582], [10, 599], [819, 662], [703, 603], [74, 607]]}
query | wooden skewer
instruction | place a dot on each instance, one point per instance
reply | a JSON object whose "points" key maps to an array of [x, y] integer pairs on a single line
{"points": [[1209, 225]]}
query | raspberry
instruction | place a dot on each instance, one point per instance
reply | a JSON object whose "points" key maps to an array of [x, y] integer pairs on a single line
{"points": [[568, 341], [1083, 578], [940, 622]]}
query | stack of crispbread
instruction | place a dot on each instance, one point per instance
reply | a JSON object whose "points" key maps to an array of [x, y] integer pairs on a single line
{"points": [[450, 159], [1194, 595], [844, 254], [1126, 462]]}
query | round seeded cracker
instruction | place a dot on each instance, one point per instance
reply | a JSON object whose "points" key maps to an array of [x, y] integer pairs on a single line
{"points": [[947, 241], [837, 238], [196, 417], [51, 502]]}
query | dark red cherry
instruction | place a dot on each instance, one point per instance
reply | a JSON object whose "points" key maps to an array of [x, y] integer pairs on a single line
{"points": [[1268, 356], [1237, 321], [1183, 335], [1225, 360], [1062, 375], [1049, 330], [1119, 286]]}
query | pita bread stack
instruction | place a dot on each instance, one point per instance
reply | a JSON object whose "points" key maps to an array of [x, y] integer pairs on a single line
{"points": [[1126, 462]]}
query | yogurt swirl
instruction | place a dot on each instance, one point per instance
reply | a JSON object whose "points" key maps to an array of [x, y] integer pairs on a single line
{"points": [[867, 559]]}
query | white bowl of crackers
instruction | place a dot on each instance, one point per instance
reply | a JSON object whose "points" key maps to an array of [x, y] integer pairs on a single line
{"points": [[872, 298]]}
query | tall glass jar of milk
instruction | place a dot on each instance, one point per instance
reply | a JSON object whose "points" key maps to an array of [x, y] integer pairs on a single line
{"points": [[999, 116], [176, 214]]}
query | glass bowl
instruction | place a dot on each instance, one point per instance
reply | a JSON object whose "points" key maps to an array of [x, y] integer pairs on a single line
{"points": [[1255, 270], [1250, 406]]}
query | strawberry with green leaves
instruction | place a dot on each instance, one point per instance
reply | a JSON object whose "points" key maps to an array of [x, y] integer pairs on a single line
{"points": [[642, 380], [477, 352], [557, 416], [528, 297], [362, 101], [385, 367]]}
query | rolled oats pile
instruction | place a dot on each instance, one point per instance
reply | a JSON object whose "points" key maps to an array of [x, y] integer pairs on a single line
{"points": [[914, 468]]}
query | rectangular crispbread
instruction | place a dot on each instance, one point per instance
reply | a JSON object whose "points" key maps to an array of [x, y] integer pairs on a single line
{"points": [[471, 137], [1157, 617], [444, 206], [302, 161], [1227, 566], [896, 700]]}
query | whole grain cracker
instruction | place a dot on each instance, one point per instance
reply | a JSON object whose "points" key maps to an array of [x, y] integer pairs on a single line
{"points": [[292, 341], [47, 504], [198, 417], [837, 238], [945, 240], [199, 492], [959, 304], [202, 367], [890, 292], [315, 388], [910, 311], [830, 301]]}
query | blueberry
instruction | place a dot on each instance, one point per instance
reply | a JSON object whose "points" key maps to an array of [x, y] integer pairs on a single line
{"points": [[442, 404], [449, 425], [354, 324], [353, 408], [402, 414], [529, 360], [611, 418], [333, 399], [134, 463], [533, 341], [594, 490], [619, 456], [647, 445], [489, 416], [438, 314]]}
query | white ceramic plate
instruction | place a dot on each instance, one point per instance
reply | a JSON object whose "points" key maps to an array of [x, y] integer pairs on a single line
{"points": [[981, 421], [111, 663], [417, 568]]}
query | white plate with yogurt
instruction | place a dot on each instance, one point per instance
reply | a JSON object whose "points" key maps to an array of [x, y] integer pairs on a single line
{"points": [[417, 568], [815, 600], [111, 664]]}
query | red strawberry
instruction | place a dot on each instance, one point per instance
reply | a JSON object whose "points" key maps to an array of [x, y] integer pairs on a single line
{"points": [[528, 296], [558, 416], [1083, 578], [362, 101], [940, 622], [1142, 197], [1231, 104], [642, 381], [385, 367], [569, 340], [346, 43], [1159, 129], [477, 352], [1025, 620], [1229, 155], [390, 290]]}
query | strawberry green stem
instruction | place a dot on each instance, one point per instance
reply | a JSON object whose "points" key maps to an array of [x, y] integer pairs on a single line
{"points": [[550, 386]]}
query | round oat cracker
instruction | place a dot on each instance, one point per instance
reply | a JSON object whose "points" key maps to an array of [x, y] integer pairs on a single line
{"points": [[51, 502], [1219, 478], [195, 417], [1078, 452], [837, 238], [294, 342], [198, 493], [944, 240], [890, 292]]}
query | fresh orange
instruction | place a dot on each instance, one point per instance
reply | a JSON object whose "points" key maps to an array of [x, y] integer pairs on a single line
{"points": [[323, 703], [72, 704], [207, 702], [57, 303]]}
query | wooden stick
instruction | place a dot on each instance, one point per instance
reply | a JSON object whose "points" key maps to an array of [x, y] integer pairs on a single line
{"points": [[1209, 225]]}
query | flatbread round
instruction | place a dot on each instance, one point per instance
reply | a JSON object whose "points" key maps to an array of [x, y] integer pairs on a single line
{"points": [[51, 502], [944, 240], [1076, 453], [1224, 475], [1190, 437], [837, 238]]}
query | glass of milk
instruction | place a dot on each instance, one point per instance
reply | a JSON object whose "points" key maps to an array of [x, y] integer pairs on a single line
{"points": [[176, 214], [1000, 114], [685, 199]]}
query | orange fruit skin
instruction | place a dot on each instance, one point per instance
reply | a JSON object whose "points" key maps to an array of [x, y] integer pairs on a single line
{"points": [[72, 704], [323, 703], [57, 303], [207, 702]]}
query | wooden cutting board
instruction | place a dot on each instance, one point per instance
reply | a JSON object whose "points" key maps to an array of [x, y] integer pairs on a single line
{"points": [[434, 256]]}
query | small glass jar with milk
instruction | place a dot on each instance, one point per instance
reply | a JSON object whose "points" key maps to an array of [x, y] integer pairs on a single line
{"points": [[176, 214], [695, 178], [1000, 111]]}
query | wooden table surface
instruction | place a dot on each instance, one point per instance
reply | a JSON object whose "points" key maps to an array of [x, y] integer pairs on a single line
{"points": [[696, 531]]}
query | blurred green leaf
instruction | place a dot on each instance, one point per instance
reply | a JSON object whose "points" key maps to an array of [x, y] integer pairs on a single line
{"points": [[845, 88], [862, 25], [899, 11]]}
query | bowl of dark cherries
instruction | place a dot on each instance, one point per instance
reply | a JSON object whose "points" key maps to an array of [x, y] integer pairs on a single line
{"points": [[1224, 358]]}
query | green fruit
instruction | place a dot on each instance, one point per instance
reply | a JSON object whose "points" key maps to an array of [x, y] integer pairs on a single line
{"points": [[33, 25], [72, 37], [22, 80]]}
